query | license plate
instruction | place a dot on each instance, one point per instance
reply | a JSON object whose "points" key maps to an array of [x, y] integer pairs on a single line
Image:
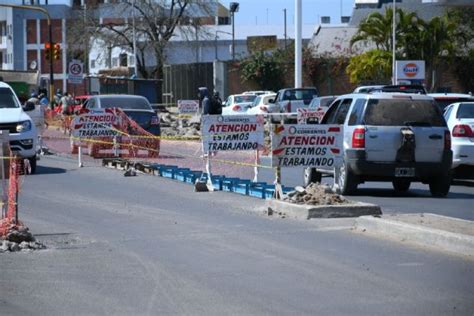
{"points": [[404, 172]]}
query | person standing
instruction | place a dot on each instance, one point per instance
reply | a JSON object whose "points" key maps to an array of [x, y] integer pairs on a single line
{"points": [[215, 104]]}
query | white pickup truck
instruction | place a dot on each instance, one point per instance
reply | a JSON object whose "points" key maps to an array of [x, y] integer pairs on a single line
{"points": [[22, 129], [289, 100]]}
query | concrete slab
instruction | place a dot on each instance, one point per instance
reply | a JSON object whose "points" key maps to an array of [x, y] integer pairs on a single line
{"points": [[297, 211], [427, 230]]}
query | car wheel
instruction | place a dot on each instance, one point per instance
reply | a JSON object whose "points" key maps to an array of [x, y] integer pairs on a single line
{"points": [[401, 185], [439, 187], [346, 181], [32, 164], [310, 175]]}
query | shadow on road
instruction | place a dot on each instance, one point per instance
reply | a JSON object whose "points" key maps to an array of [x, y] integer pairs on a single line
{"points": [[49, 170], [465, 183]]}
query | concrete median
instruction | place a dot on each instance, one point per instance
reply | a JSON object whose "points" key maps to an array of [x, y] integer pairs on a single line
{"points": [[303, 211]]}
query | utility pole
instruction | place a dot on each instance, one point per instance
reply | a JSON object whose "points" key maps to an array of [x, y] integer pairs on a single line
{"points": [[134, 40], [394, 39], [298, 45], [284, 18], [50, 35]]}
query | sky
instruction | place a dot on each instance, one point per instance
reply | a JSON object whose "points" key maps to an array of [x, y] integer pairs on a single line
{"points": [[270, 12]]}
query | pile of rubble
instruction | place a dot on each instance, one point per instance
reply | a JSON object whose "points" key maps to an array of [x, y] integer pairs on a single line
{"points": [[315, 194], [18, 238], [173, 125]]}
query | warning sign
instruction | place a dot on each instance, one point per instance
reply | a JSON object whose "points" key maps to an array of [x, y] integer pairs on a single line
{"points": [[309, 115], [306, 145], [236, 132], [75, 72], [188, 106], [96, 123]]}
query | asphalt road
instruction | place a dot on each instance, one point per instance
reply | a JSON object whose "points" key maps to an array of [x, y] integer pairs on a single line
{"points": [[458, 203], [150, 246]]}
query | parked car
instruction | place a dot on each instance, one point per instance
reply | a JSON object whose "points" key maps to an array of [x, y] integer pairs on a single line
{"points": [[320, 105], [135, 107], [460, 119], [23, 133], [394, 137], [238, 104], [289, 100], [262, 105], [445, 99], [404, 88], [258, 92]]}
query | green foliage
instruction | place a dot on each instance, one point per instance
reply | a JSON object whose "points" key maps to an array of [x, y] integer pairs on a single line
{"points": [[263, 69], [374, 66], [376, 28]]}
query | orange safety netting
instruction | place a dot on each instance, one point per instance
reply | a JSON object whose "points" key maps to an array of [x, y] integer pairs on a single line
{"points": [[10, 212], [131, 140]]}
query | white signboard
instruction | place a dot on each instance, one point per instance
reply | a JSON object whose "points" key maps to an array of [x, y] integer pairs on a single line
{"points": [[410, 69], [96, 123], [304, 114], [188, 106], [306, 145], [232, 132], [75, 72]]}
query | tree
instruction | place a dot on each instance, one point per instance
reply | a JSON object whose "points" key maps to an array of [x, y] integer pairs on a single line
{"points": [[156, 22], [264, 69], [374, 66], [376, 28]]}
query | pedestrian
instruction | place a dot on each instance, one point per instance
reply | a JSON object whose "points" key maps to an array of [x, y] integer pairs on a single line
{"points": [[215, 104], [33, 98], [206, 103], [66, 103]]}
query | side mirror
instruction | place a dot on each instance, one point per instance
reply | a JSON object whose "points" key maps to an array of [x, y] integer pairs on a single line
{"points": [[271, 101], [29, 106]]}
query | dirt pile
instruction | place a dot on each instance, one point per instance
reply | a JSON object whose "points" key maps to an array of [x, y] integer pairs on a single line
{"points": [[315, 194]]}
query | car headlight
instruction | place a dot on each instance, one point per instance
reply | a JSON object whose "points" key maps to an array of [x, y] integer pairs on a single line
{"points": [[24, 126]]}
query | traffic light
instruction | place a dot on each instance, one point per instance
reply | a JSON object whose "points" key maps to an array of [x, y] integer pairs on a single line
{"points": [[57, 51], [47, 50]]}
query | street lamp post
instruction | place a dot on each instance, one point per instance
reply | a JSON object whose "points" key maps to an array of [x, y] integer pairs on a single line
{"points": [[134, 40], [298, 45], [233, 7], [50, 35], [394, 27]]}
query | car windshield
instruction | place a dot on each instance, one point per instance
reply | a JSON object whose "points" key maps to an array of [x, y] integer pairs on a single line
{"points": [[300, 94], [244, 98], [7, 99], [465, 111], [125, 103], [400, 112], [256, 101]]}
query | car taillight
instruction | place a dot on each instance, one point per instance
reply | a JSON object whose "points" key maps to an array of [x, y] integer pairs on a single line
{"points": [[264, 108], [155, 120], [462, 130], [236, 108], [358, 138]]}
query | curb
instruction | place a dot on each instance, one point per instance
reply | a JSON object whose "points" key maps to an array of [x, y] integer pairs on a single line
{"points": [[461, 244], [321, 211]]}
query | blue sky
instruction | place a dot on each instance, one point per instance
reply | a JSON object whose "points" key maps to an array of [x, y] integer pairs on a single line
{"points": [[254, 12]]}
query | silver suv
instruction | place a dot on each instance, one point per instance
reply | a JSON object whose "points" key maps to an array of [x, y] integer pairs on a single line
{"points": [[394, 137]]}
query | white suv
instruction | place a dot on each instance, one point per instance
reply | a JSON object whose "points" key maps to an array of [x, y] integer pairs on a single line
{"points": [[23, 134], [395, 137]]}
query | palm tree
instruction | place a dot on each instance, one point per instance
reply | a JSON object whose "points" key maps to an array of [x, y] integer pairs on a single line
{"points": [[376, 28]]}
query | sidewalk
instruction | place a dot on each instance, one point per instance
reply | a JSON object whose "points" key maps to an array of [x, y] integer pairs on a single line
{"points": [[423, 229]]}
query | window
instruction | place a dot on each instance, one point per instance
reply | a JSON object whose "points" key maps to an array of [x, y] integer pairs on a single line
{"points": [[342, 111], [123, 60], [448, 112], [356, 114], [124, 103], [465, 111], [7, 99], [115, 62], [223, 20], [92, 63], [331, 113], [401, 112]]}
